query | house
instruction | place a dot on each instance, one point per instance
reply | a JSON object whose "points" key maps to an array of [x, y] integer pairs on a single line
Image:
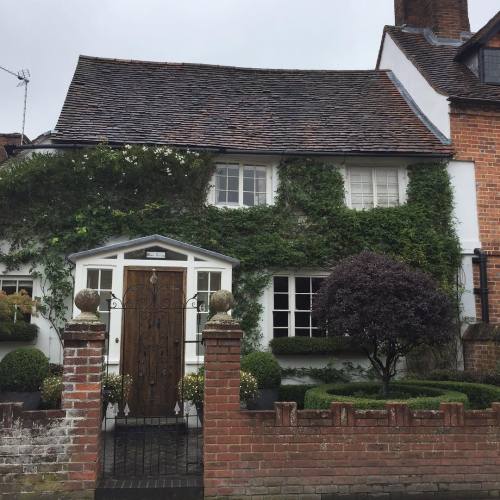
{"points": [[375, 129], [8, 142], [454, 77]]}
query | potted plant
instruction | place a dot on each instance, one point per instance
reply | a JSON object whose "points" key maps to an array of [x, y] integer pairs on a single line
{"points": [[192, 387], [51, 392], [116, 390], [21, 374], [264, 367]]}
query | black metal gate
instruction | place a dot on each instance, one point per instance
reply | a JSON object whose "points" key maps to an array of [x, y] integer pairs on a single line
{"points": [[137, 445]]}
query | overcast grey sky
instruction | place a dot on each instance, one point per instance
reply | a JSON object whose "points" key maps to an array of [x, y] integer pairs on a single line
{"points": [[47, 36]]}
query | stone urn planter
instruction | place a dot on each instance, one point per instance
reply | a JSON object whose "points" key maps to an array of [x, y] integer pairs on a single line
{"points": [[30, 400], [265, 400]]}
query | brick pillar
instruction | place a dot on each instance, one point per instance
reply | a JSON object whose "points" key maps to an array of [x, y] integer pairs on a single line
{"points": [[482, 348], [83, 362], [222, 339]]}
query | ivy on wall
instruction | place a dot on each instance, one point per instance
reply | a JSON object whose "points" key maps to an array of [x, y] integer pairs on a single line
{"points": [[55, 204]]}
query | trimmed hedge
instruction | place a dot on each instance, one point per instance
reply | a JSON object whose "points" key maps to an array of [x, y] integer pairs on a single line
{"points": [[424, 397], [264, 367], [490, 378], [23, 370], [290, 392], [314, 345], [480, 395], [20, 331]]}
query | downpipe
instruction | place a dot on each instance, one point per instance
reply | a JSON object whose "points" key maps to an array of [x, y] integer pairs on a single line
{"points": [[481, 258]]}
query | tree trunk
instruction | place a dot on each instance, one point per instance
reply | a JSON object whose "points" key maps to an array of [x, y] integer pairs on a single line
{"points": [[385, 385]]}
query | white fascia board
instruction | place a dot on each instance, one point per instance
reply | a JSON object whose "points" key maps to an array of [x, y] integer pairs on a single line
{"points": [[434, 105]]}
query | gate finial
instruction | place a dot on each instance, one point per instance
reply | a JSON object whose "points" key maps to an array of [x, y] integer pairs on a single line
{"points": [[221, 302], [87, 300]]}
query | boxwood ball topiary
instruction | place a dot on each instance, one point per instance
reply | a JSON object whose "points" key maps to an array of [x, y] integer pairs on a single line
{"points": [[23, 370], [264, 367]]}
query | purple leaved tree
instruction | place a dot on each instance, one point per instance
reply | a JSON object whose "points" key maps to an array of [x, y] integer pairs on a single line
{"points": [[388, 307]]}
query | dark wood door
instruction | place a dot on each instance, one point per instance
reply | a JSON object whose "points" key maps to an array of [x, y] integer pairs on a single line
{"points": [[153, 339]]}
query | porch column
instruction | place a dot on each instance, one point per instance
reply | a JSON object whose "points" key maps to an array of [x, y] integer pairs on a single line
{"points": [[84, 339], [222, 339]]}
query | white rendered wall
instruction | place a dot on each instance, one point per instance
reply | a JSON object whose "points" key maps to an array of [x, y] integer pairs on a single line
{"points": [[434, 105]]}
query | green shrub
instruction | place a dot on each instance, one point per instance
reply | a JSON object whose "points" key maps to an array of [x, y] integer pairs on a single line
{"points": [[23, 370], [366, 396], [490, 378], [20, 331], [314, 345], [480, 395], [295, 393], [51, 392], [264, 367]]}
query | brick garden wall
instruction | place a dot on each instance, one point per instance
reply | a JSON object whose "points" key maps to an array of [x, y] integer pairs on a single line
{"points": [[55, 453], [290, 454]]}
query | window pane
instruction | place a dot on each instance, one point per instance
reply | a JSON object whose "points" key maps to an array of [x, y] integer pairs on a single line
{"points": [[387, 187], [248, 184], [280, 332], [106, 279], [233, 183], [303, 302], [202, 300], [302, 319], [202, 281], [280, 301], [491, 62], [9, 286], [221, 182], [248, 199], [361, 188], [280, 319], [93, 279], [233, 171], [103, 305], [260, 199], [232, 197], [303, 285], [316, 284], [215, 279], [281, 284], [202, 319]]}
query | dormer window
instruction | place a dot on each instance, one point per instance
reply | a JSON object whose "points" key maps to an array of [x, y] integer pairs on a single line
{"points": [[490, 65]]}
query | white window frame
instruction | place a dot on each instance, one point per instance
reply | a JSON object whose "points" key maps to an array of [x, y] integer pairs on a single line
{"points": [[18, 279], [402, 183], [270, 184], [291, 300], [99, 289]]}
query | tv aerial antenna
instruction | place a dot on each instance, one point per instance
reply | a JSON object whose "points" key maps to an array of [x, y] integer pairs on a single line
{"points": [[23, 76]]}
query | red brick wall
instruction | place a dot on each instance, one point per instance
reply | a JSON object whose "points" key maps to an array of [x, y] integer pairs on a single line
{"points": [[447, 18], [56, 453], [481, 355], [475, 133], [286, 453]]}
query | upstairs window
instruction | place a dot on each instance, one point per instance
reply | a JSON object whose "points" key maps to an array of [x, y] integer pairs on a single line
{"points": [[491, 65], [368, 187], [241, 185]]}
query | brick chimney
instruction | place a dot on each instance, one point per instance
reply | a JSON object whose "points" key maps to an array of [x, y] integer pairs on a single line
{"points": [[447, 18]]}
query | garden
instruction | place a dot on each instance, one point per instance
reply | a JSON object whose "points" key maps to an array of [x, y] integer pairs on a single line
{"points": [[391, 313]]}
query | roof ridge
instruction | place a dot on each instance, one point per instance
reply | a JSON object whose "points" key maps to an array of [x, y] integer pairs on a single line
{"points": [[243, 68]]}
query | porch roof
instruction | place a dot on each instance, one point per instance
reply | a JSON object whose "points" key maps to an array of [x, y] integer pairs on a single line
{"points": [[155, 238]]}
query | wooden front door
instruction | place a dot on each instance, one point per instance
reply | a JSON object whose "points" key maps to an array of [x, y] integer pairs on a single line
{"points": [[153, 338]]}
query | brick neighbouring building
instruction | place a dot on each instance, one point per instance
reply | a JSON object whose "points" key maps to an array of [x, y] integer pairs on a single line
{"points": [[458, 94], [9, 140]]}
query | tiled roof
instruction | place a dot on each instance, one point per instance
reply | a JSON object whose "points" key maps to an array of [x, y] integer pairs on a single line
{"points": [[436, 62], [241, 109]]}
